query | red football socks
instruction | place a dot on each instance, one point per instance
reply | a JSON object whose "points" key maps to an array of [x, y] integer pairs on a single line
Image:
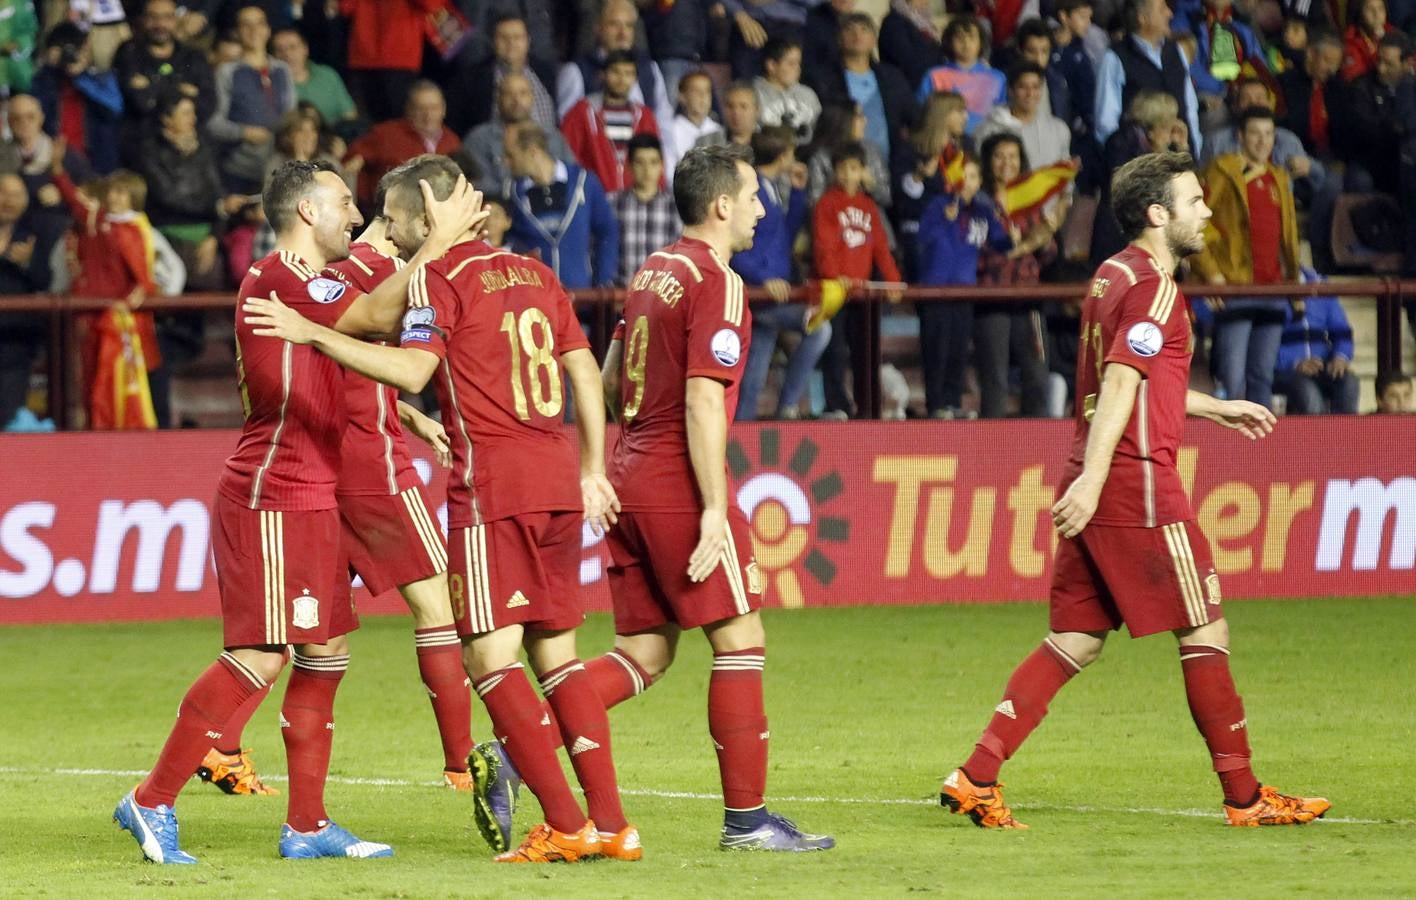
{"points": [[522, 727], [236, 725], [585, 730], [201, 718], [738, 723], [1033, 685], [440, 665], [1219, 715], [616, 677], [307, 724]]}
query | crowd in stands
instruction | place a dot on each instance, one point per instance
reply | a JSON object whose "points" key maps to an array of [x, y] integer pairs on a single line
{"points": [[949, 142]]}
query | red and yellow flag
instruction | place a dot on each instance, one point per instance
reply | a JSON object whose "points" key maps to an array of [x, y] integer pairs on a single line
{"points": [[1027, 192]]}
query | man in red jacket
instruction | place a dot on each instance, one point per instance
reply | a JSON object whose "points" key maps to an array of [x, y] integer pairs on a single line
{"points": [[385, 51], [598, 127], [391, 143]]}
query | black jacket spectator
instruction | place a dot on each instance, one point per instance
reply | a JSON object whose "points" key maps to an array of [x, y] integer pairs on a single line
{"points": [[905, 46], [895, 94], [1368, 130], [183, 187], [146, 78], [821, 43], [467, 109]]}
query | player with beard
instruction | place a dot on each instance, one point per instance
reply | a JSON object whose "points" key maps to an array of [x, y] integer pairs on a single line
{"points": [[275, 526], [1131, 552]]}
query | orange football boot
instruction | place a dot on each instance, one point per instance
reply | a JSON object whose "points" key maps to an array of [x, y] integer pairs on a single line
{"points": [[457, 781], [985, 805], [544, 844], [1273, 808], [233, 774], [624, 845]]}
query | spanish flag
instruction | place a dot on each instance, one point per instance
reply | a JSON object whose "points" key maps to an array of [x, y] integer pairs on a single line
{"points": [[119, 395], [1028, 192], [951, 165]]}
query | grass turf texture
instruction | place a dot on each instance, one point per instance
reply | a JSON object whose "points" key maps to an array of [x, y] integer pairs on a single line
{"points": [[866, 705]]}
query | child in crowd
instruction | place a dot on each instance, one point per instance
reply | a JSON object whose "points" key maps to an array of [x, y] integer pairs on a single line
{"points": [[965, 72], [693, 121], [850, 243], [647, 216], [781, 97], [953, 228]]}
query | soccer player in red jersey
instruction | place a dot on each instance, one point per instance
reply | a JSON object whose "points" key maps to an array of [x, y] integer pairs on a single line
{"points": [[682, 551], [1131, 552], [498, 329], [275, 536]]}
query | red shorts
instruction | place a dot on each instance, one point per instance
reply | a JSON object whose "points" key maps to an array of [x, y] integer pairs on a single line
{"points": [[649, 580], [1151, 579], [391, 539], [522, 570], [282, 576]]}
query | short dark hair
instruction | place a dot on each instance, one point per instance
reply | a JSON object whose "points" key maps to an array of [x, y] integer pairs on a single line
{"points": [[1022, 69], [1251, 114], [620, 57], [849, 150], [705, 174], [1033, 28], [291, 182], [857, 18], [527, 136], [440, 172], [1067, 6], [643, 141], [771, 141], [1142, 183], [956, 25], [1323, 35], [65, 34], [776, 48], [500, 20], [1388, 378]]}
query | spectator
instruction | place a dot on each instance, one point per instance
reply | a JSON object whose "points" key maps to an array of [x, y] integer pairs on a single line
{"points": [[32, 153], [740, 116], [1369, 124], [538, 19], [839, 127], [952, 229], [24, 269], [1077, 34], [1035, 46], [387, 144], [1007, 335], [155, 66], [965, 73], [768, 264], [1364, 34], [385, 51], [1395, 394], [678, 39], [185, 200], [1144, 58], [585, 74], [252, 94], [18, 28], [560, 213], [781, 97], [693, 121], [498, 223], [1152, 125], [935, 165], [647, 216], [1309, 95], [81, 103], [909, 39], [1315, 359], [299, 137], [486, 144], [1251, 239], [878, 87], [105, 24], [1046, 138], [757, 22], [598, 127], [849, 242], [1225, 45], [318, 85], [821, 40], [511, 55]]}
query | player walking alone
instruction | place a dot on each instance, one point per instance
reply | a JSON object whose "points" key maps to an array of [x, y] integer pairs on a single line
{"points": [[1131, 552]]}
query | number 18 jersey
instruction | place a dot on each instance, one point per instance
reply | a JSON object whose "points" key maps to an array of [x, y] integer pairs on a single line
{"points": [[499, 323]]}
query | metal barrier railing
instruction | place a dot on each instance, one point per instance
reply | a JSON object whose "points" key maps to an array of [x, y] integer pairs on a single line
{"points": [[1390, 295]]}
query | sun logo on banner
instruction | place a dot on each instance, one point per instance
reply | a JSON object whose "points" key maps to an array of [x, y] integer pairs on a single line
{"points": [[783, 504]]}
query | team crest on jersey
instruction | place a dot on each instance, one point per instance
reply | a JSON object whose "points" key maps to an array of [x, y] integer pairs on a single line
{"points": [[726, 347], [1144, 339], [325, 290], [305, 611]]}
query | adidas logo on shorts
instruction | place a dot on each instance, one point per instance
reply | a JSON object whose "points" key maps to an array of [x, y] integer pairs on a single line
{"points": [[517, 599]]}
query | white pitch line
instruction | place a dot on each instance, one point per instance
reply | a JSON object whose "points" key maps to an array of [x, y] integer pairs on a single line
{"points": [[692, 795]]}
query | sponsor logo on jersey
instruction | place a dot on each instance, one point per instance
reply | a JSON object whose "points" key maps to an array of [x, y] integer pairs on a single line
{"points": [[1144, 339], [726, 347], [305, 611], [324, 290]]}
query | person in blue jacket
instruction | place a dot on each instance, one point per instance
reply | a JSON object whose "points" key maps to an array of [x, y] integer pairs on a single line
{"points": [[1314, 368]]}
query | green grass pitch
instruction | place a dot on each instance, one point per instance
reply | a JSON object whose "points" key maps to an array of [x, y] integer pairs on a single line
{"points": [[869, 708]]}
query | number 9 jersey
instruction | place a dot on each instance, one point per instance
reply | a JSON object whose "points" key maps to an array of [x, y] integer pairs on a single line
{"points": [[685, 316], [499, 323]]}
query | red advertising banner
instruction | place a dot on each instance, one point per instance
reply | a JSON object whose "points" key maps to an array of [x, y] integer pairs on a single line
{"points": [[97, 527]]}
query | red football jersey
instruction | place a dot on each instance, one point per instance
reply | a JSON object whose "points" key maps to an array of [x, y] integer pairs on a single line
{"points": [[288, 454], [685, 316], [1136, 315], [499, 322], [374, 456]]}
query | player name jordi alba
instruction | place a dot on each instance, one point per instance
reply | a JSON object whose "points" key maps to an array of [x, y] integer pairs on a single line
{"points": [[494, 280]]}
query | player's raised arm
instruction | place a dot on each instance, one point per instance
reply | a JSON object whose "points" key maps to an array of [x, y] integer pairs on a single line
{"points": [[448, 221], [706, 418], [1114, 403]]}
